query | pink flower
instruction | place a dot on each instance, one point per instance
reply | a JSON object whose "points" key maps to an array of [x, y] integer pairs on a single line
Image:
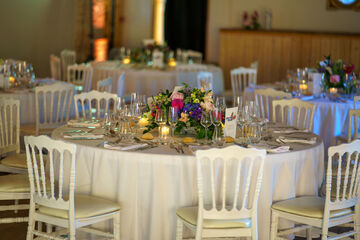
{"points": [[177, 95], [349, 68], [335, 78], [177, 104], [207, 105]]}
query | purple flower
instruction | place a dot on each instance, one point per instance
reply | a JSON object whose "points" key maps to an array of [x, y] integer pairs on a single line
{"points": [[194, 110]]}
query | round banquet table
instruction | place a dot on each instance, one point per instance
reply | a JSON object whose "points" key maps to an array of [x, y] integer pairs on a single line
{"points": [[330, 118], [27, 100], [150, 81], [151, 184]]}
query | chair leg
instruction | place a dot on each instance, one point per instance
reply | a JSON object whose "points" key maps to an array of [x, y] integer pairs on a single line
{"points": [[198, 232], [31, 223], [324, 233], [274, 225], [72, 233], [116, 221], [179, 229], [48, 228], [308, 234], [357, 222], [16, 203], [254, 229]]}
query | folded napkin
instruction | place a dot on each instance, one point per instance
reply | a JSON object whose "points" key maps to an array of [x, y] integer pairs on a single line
{"points": [[271, 149], [125, 147], [282, 139], [291, 131], [84, 123], [83, 136]]}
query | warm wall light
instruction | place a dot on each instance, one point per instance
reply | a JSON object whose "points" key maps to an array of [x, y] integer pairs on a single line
{"points": [[159, 12], [100, 49], [98, 11]]}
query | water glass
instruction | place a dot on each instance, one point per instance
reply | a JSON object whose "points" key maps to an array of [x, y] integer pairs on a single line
{"points": [[173, 118], [206, 122], [237, 101], [216, 117], [161, 119]]}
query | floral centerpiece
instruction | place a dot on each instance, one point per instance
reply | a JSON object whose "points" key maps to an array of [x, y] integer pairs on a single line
{"points": [[254, 23], [144, 54], [191, 103], [335, 73]]}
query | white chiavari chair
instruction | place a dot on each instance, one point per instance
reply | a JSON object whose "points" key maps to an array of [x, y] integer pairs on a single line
{"points": [[14, 162], [264, 98], [53, 199], [68, 57], [227, 204], [55, 67], [353, 127], [105, 85], [52, 105], [242, 78], [294, 112], [109, 72], [205, 80], [342, 194], [103, 101], [81, 76]]}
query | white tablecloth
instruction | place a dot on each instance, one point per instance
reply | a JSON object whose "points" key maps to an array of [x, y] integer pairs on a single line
{"points": [[330, 118], [151, 184], [151, 81]]}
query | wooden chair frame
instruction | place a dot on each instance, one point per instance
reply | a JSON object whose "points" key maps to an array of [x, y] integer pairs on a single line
{"points": [[81, 76], [264, 98], [55, 67], [68, 57]]}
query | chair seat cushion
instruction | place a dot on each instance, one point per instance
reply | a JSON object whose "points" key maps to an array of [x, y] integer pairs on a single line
{"points": [[85, 207], [189, 215], [312, 207], [17, 160], [14, 183]]}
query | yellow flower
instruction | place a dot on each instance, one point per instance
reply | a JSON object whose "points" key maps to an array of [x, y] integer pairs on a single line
{"points": [[196, 101], [184, 117]]}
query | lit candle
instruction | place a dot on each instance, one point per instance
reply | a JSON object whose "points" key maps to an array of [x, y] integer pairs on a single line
{"points": [[172, 62], [11, 79], [165, 130], [303, 87], [126, 60], [332, 90], [143, 122]]}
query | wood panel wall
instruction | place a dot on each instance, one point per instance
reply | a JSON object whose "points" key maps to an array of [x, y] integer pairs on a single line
{"points": [[277, 51]]}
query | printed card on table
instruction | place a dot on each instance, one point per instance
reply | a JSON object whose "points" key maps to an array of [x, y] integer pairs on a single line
{"points": [[230, 122], [158, 59]]}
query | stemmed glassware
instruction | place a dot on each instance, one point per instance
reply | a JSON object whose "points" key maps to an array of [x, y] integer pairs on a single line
{"points": [[173, 118], [206, 122], [216, 117], [161, 119]]}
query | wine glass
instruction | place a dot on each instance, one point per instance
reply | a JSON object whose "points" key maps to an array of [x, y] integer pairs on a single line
{"points": [[206, 122], [120, 104], [216, 117], [237, 102], [161, 119], [133, 98], [173, 118]]}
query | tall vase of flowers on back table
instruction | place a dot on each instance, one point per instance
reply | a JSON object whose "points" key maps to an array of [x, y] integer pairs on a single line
{"points": [[190, 103]]}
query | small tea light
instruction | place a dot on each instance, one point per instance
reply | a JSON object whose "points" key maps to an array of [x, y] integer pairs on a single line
{"points": [[164, 132], [172, 62], [143, 122], [333, 90], [303, 86], [126, 60], [11, 79]]}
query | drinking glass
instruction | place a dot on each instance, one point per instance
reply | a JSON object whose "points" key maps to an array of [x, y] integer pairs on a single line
{"points": [[173, 118], [237, 102], [120, 104], [216, 117], [161, 119], [206, 122], [133, 98], [220, 102]]}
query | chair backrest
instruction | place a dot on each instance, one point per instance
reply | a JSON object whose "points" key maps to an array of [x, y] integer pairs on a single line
{"points": [[110, 72], [80, 75], [191, 67], [344, 191], [55, 67], [264, 98], [60, 160], [356, 99], [294, 112], [354, 115], [205, 80], [9, 125], [105, 85], [242, 78], [229, 182], [68, 57], [102, 101], [52, 105]]}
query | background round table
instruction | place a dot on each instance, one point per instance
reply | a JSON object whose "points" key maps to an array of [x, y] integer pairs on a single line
{"points": [[150, 81], [330, 118], [151, 184]]}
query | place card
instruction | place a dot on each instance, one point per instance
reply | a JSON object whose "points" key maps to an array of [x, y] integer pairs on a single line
{"points": [[158, 59], [315, 83], [230, 122]]}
